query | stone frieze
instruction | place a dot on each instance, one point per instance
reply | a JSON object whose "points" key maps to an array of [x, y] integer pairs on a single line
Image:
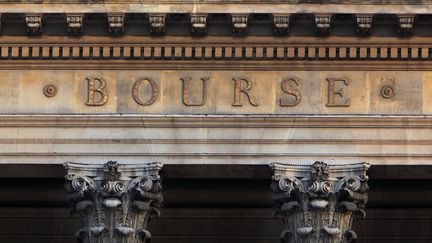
{"points": [[216, 92]]}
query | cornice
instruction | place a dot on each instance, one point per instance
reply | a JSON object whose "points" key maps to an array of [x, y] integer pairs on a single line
{"points": [[217, 7], [339, 2], [156, 17], [95, 4]]}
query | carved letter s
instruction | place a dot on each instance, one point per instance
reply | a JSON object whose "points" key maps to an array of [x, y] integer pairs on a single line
{"points": [[293, 92]]}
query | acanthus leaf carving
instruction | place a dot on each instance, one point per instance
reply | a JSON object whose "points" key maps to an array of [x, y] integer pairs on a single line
{"points": [[318, 202], [115, 202]]}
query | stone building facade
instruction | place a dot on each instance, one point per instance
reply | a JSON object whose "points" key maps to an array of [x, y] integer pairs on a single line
{"points": [[215, 121]]}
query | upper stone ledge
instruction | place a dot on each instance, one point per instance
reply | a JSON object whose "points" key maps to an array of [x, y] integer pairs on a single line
{"points": [[360, 2], [213, 7]]}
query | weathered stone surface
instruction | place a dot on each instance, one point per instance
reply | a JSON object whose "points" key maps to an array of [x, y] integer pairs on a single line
{"points": [[220, 7], [221, 92], [197, 140], [318, 202], [115, 202], [216, 132]]}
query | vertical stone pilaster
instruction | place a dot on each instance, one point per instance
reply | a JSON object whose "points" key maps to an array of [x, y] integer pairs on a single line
{"points": [[318, 202], [115, 202]]}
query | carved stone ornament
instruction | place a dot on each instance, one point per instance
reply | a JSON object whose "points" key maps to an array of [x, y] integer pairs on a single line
{"points": [[240, 23], [406, 24], [281, 23], [322, 23], [387, 91], [199, 23], [116, 23], [115, 202], [50, 90], [364, 24], [34, 23], [75, 23], [157, 23], [318, 202]]}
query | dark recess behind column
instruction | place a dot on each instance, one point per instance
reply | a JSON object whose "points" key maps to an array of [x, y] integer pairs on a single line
{"points": [[211, 193]]}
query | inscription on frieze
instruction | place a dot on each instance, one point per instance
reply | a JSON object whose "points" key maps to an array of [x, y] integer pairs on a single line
{"points": [[334, 92], [136, 91], [203, 94], [96, 86], [291, 86], [215, 92], [243, 85]]}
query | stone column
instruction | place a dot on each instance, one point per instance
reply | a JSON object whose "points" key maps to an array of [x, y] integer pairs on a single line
{"points": [[115, 202], [318, 202]]}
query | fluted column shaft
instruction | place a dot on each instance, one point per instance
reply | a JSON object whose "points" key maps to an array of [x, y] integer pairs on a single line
{"points": [[318, 202], [115, 202]]}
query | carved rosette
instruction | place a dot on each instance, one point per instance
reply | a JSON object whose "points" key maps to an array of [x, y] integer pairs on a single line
{"points": [[318, 202], [115, 202]]}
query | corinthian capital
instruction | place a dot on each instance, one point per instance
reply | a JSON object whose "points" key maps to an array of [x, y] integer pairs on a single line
{"points": [[318, 202], [115, 202]]}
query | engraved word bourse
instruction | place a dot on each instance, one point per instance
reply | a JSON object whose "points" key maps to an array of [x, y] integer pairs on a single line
{"points": [[242, 90]]}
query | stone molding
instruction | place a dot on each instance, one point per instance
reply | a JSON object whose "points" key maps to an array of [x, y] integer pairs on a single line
{"points": [[216, 121], [38, 147], [115, 202], [336, 2], [229, 51], [318, 202]]}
